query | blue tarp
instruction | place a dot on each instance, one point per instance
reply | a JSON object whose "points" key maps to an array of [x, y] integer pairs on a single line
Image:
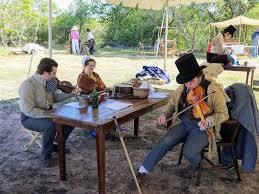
{"points": [[255, 42], [155, 72]]}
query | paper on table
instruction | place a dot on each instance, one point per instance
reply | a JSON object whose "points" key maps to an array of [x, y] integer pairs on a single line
{"points": [[75, 105], [158, 95], [117, 105]]}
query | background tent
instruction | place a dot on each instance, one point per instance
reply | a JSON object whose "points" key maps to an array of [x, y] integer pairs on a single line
{"points": [[157, 5], [240, 21]]}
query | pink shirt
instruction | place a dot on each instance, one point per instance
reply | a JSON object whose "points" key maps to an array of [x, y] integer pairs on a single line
{"points": [[74, 35]]}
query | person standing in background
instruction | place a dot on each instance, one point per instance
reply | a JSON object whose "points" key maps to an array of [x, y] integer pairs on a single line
{"points": [[90, 40], [75, 37]]}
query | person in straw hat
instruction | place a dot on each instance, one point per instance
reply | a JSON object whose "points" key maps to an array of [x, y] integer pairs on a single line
{"points": [[75, 37]]}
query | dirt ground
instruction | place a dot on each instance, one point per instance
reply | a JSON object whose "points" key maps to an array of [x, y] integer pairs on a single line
{"points": [[21, 172]]}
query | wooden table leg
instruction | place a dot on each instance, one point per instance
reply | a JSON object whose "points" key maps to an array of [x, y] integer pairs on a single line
{"points": [[61, 151], [252, 79], [247, 76], [136, 125], [100, 150]]}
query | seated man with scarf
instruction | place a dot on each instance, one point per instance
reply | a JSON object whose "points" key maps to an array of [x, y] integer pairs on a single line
{"points": [[37, 95]]}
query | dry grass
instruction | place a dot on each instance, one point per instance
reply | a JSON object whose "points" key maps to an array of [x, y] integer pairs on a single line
{"points": [[113, 66], [21, 171]]}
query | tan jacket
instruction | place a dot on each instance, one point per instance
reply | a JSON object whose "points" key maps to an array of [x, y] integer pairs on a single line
{"points": [[217, 44], [35, 100], [217, 103]]}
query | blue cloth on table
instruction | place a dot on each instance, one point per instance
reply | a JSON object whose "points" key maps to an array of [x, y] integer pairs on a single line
{"points": [[244, 109], [153, 71]]}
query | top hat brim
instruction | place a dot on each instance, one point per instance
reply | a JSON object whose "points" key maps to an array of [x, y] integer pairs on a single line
{"points": [[181, 79], [230, 29]]}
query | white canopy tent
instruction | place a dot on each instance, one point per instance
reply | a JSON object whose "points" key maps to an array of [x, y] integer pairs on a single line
{"points": [[240, 21], [154, 4], [157, 5]]}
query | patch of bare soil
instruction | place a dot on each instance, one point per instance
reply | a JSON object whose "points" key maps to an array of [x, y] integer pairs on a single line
{"points": [[21, 172]]}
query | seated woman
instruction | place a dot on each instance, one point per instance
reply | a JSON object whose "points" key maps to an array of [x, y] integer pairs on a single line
{"points": [[88, 79], [216, 53]]}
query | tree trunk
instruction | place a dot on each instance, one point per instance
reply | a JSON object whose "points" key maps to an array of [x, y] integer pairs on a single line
{"points": [[21, 35], [3, 38], [194, 36]]}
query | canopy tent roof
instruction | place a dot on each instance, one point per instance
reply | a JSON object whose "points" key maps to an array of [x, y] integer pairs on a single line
{"points": [[154, 4], [240, 20]]}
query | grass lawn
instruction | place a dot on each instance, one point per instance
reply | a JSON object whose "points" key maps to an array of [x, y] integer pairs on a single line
{"points": [[114, 65]]}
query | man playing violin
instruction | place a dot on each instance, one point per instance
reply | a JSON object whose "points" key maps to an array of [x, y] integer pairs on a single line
{"points": [[191, 130], [37, 95]]}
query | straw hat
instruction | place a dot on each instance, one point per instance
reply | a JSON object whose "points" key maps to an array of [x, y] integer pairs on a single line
{"points": [[74, 28]]}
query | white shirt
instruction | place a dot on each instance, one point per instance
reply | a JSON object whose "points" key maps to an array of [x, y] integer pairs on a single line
{"points": [[217, 44], [89, 36]]}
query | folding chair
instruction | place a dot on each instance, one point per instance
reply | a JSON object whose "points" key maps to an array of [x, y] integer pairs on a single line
{"points": [[35, 138]]}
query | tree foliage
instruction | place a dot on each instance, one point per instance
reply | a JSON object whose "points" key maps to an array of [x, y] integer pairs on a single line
{"points": [[117, 25], [130, 26]]}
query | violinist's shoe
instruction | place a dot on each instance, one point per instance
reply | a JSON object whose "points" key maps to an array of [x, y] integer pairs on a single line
{"points": [[141, 177], [188, 172]]}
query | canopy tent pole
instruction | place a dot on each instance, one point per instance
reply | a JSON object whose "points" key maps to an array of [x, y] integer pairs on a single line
{"points": [[240, 29], [50, 30], [166, 35], [160, 34], [244, 32], [240, 32]]}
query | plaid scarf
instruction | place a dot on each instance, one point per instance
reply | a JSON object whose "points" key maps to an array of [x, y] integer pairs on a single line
{"points": [[51, 85]]}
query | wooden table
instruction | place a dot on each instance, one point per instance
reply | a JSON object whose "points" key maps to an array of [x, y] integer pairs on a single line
{"points": [[246, 69], [101, 120]]}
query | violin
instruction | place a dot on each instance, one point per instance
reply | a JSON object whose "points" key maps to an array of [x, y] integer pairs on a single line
{"points": [[65, 86], [201, 109]]}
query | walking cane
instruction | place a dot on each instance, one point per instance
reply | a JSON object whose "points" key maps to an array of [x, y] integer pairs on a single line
{"points": [[126, 153]]}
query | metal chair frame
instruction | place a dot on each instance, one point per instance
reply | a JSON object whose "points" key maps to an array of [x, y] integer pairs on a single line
{"points": [[229, 142], [35, 138]]}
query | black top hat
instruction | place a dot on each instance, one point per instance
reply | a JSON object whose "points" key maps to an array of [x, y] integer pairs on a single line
{"points": [[231, 30], [188, 68]]}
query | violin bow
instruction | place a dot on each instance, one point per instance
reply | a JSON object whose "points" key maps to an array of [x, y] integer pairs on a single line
{"points": [[187, 108]]}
